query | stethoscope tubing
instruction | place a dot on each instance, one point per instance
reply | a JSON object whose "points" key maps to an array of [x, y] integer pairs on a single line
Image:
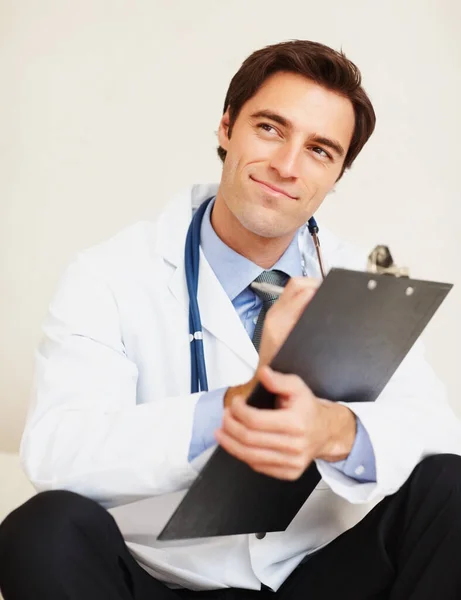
{"points": [[199, 380]]}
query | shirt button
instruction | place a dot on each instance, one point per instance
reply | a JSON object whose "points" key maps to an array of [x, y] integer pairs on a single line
{"points": [[360, 470], [255, 320], [260, 536]]}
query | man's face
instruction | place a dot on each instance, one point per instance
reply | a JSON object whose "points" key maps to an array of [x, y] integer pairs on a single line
{"points": [[293, 135]]}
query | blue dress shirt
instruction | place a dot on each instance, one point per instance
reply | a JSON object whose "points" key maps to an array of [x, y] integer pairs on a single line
{"points": [[236, 273]]}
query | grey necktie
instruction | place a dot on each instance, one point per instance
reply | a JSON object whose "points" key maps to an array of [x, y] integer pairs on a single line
{"points": [[276, 278]]}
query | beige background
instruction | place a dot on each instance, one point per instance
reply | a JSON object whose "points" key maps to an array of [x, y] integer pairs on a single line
{"points": [[109, 106]]}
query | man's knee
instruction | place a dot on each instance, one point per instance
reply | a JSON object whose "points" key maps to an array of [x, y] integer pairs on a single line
{"points": [[45, 521], [442, 465], [441, 473]]}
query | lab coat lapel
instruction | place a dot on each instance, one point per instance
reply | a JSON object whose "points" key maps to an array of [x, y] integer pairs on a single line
{"points": [[217, 313], [219, 316]]}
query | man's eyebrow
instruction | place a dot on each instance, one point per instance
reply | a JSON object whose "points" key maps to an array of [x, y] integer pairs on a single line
{"points": [[333, 144], [319, 139], [273, 116]]}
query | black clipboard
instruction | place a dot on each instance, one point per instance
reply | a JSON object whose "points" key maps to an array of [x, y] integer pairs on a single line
{"points": [[346, 346]]}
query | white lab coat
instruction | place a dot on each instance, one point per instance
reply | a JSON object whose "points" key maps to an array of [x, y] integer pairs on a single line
{"points": [[112, 414]]}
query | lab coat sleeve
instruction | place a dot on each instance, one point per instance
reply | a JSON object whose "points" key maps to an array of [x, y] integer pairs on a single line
{"points": [[84, 430], [409, 421]]}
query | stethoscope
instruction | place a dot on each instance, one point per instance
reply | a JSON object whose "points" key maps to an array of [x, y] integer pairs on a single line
{"points": [[198, 377]]}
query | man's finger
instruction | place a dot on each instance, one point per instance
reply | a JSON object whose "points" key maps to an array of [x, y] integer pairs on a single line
{"points": [[297, 295], [297, 284], [254, 455], [279, 442], [270, 420], [288, 474], [280, 383]]}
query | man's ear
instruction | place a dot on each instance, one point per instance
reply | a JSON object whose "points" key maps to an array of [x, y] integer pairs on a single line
{"points": [[223, 130]]}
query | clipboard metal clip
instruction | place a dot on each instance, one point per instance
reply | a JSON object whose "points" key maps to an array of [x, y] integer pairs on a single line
{"points": [[380, 261]]}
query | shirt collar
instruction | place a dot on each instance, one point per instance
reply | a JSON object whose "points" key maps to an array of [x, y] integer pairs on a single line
{"points": [[234, 271]]}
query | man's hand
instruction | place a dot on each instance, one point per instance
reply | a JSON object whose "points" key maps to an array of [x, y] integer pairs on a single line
{"points": [[279, 321], [284, 314], [283, 442]]}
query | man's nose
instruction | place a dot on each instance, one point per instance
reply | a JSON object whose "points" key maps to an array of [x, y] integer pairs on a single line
{"points": [[287, 161]]}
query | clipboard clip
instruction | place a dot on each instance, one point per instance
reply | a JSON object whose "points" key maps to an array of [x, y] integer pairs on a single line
{"points": [[380, 261]]}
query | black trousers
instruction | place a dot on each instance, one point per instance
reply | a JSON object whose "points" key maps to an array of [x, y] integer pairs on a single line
{"points": [[59, 545]]}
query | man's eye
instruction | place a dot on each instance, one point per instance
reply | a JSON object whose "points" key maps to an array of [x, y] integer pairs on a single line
{"points": [[266, 127], [321, 152]]}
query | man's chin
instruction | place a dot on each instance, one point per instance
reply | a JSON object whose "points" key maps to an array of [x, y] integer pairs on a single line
{"points": [[262, 215], [265, 228]]}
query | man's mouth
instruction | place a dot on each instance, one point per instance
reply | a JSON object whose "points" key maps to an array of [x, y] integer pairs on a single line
{"points": [[272, 189]]}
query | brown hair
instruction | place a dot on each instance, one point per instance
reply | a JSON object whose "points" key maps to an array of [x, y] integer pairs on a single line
{"points": [[321, 64]]}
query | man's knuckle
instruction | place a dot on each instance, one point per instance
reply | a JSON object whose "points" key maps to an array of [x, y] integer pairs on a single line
{"points": [[247, 437], [299, 464], [298, 446], [259, 468], [251, 421], [296, 382]]}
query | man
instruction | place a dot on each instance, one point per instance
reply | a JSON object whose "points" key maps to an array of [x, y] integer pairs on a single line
{"points": [[114, 423]]}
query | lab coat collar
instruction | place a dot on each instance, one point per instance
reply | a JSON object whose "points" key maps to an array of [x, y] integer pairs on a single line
{"points": [[175, 218]]}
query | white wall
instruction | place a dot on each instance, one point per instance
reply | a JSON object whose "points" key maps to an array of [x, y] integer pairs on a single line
{"points": [[108, 106]]}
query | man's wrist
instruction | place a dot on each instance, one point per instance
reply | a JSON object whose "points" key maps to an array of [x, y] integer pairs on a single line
{"points": [[341, 428]]}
